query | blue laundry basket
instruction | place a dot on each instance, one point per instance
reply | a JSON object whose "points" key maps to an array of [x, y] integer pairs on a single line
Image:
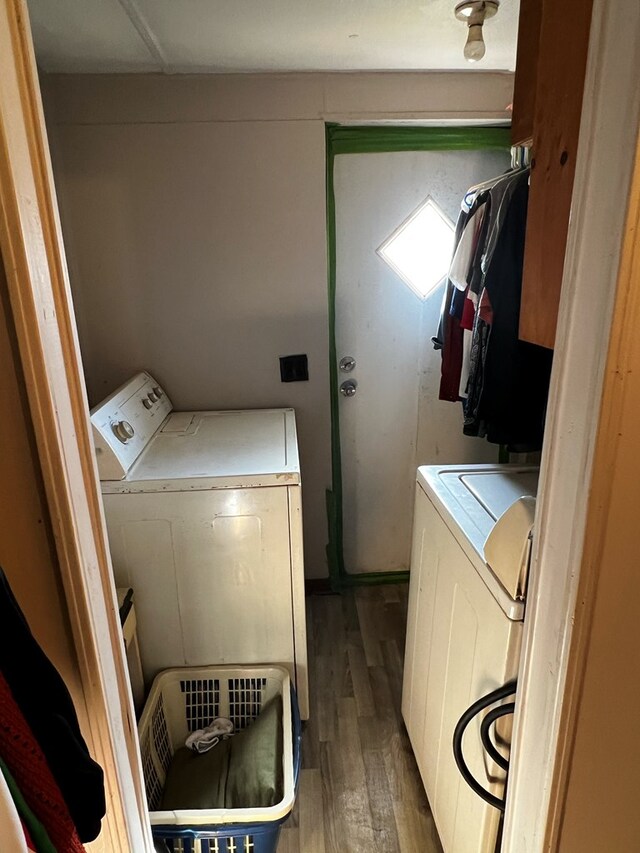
{"points": [[183, 700]]}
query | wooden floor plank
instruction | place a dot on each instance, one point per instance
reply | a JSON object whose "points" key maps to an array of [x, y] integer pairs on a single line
{"points": [[289, 841], [331, 770], [395, 618], [355, 802], [393, 667], [380, 802], [391, 593], [350, 613], [360, 789], [361, 682], [311, 812], [369, 627], [326, 707]]}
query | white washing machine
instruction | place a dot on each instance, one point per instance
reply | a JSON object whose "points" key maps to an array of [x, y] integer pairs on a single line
{"points": [[204, 519], [471, 546]]}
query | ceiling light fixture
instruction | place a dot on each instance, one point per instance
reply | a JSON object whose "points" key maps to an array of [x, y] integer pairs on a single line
{"points": [[474, 13]]}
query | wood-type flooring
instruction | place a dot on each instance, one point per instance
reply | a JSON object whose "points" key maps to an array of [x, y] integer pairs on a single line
{"points": [[360, 790]]}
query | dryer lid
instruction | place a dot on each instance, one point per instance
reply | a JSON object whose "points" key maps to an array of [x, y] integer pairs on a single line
{"points": [[472, 500], [508, 547]]}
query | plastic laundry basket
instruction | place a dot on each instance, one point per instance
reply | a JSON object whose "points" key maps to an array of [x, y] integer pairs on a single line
{"points": [[183, 700]]}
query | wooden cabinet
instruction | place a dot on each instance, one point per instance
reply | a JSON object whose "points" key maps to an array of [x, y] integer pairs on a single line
{"points": [[524, 89], [553, 41]]}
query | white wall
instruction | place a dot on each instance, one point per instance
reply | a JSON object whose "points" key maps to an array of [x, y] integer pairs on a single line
{"points": [[193, 210]]}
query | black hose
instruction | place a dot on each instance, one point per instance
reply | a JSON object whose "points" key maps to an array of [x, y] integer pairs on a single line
{"points": [[484, 702], [488, 720]]}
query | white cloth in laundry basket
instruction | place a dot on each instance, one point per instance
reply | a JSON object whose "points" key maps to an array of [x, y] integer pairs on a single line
{"points": [[202, 740]]}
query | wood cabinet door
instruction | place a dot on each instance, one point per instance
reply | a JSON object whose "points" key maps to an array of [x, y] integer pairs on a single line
{"points": [[561, 64]]}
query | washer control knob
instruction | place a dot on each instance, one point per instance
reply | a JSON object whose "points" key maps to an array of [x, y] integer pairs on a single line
{"points": [[123, 431], [152, 396], [146, 402], [158, 391]]}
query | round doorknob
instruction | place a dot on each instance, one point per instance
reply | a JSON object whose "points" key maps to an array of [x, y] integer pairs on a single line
{"points": [[123, 431], [349, 388]]}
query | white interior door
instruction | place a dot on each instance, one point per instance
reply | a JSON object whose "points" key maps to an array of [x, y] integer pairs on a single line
{"points": [[394, 422]]}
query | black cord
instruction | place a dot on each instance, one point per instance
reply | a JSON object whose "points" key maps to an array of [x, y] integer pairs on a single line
{"points": [[488, 720], [484, 702]]}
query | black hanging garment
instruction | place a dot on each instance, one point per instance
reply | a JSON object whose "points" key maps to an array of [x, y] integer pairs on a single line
{"points": [[510, 384], [48, 709]]}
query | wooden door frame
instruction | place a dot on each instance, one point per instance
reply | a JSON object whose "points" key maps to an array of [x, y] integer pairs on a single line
{"points": [[40, 297], [32, 250], [558, 598]]}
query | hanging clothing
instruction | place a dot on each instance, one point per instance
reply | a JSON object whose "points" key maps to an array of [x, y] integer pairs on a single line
{"points": [[450, 335], [503, 382], [463, 255], [500, 193], [12, 835], [472, 293], [36, 834], [439, 338], [47, 708], [28, 766], [515, 384]]}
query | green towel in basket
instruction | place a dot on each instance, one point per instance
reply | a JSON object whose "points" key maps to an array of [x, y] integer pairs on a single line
{"points": [[242, 772]]}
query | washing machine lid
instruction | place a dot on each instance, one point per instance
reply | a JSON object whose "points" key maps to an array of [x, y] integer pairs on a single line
{"points": [[472, 500], [203, 450]]}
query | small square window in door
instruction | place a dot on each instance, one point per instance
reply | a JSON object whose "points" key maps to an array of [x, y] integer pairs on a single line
{"points": [[419, 250]]}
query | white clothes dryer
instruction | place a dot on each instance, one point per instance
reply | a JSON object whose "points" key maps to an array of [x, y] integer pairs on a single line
{"points": [[204, 519], [471, 545]]}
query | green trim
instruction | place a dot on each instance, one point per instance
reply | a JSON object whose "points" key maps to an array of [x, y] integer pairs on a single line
{"points": [[370, 140], [334, 497], [381, 139]]}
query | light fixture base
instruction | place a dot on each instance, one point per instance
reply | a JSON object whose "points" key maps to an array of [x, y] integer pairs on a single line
{"points": [[468, 8]]}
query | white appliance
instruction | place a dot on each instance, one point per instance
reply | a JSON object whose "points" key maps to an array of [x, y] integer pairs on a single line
{"points": [[464, 630], [204, 519]]}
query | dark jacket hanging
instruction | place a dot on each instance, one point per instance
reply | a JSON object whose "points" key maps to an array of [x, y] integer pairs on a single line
{"points": [[46, 705], [515, 383]]}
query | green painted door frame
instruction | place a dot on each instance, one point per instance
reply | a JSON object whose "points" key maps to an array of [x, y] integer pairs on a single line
{"points": [[374, 140]]}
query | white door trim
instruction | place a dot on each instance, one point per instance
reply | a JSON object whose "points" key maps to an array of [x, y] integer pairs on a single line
{"points": [[606, 154], [34, 261]]}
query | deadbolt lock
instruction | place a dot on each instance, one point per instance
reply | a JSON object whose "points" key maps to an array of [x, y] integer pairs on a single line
{"points": [[347, 363]]}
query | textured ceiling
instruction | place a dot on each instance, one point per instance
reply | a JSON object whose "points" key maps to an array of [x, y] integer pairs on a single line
{"points": [[197, 36]]}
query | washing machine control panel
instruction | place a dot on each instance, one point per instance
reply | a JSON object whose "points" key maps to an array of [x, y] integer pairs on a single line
{"points": [[126, 422]]}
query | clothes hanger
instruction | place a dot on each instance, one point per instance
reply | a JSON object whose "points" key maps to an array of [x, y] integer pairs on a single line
{"points": [[519, 161], [472, 192]]}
